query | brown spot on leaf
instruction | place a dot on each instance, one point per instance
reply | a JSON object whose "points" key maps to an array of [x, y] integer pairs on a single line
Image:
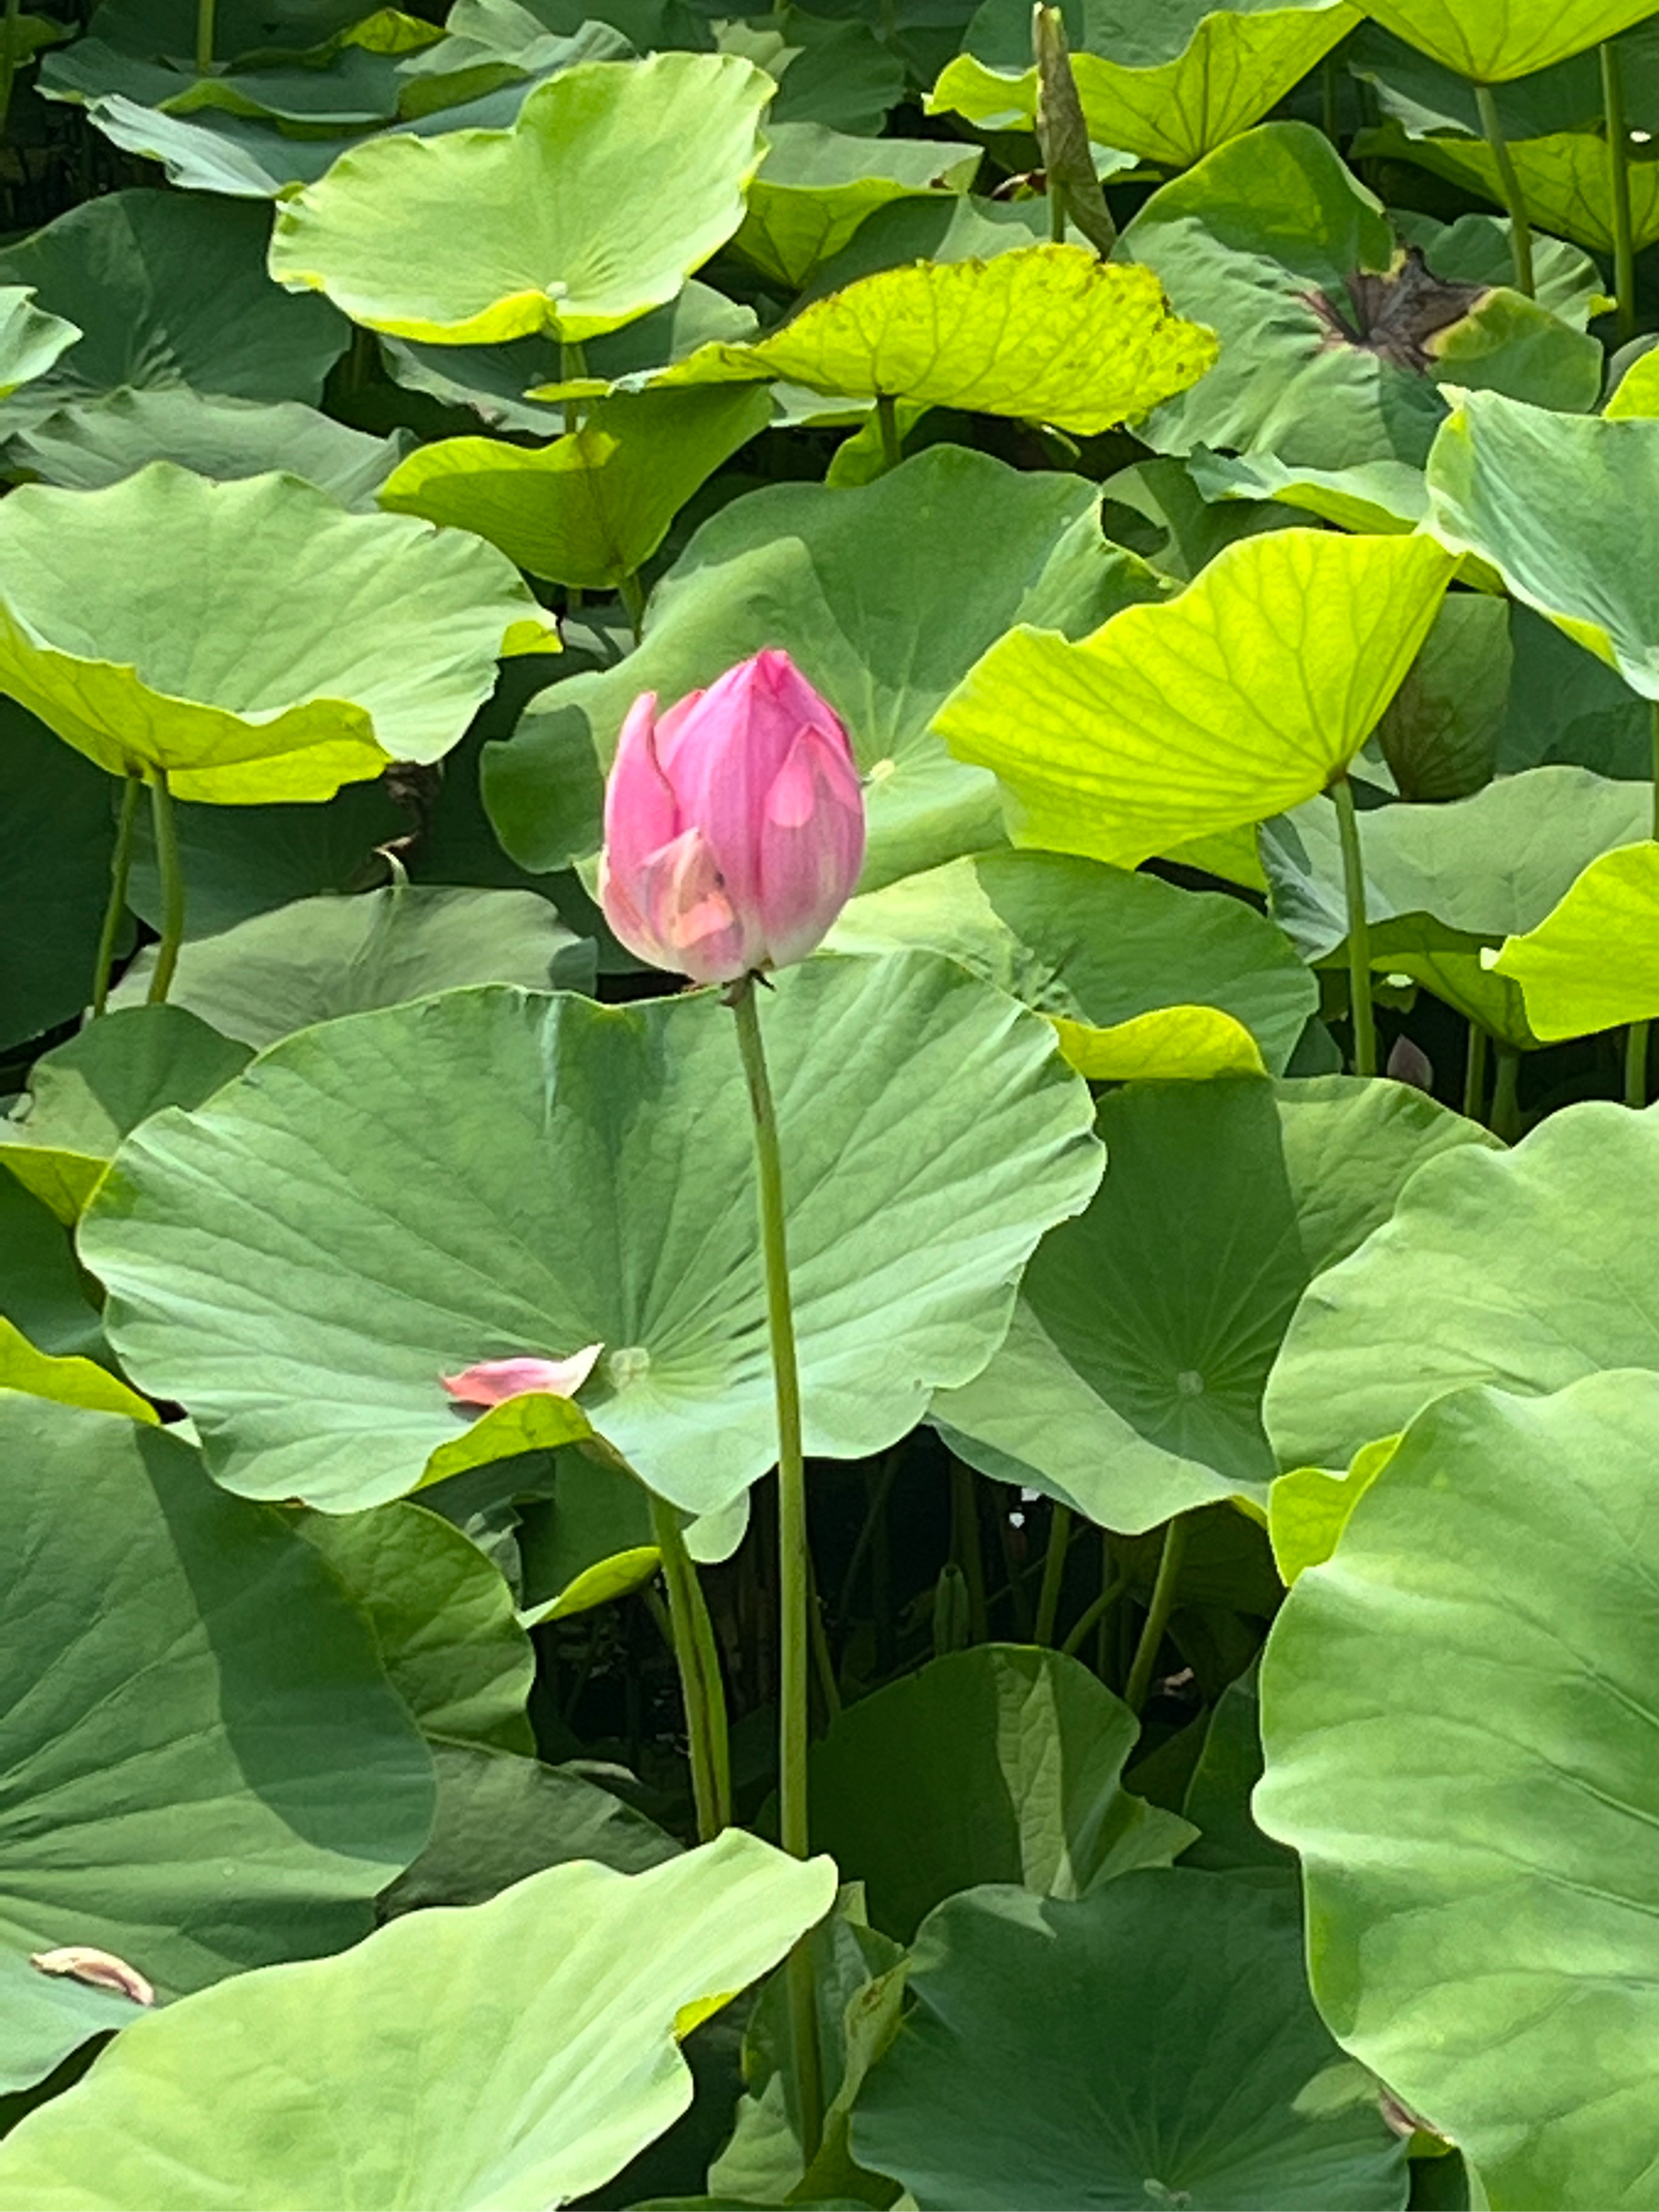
{"points": [[100, 1970], [1395, 314]]}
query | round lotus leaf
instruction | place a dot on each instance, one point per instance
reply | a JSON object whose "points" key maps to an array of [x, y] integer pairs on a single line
{"points": [[30, 340], [69, 1382], [471, 1178], [320, 959], [86, 1094], [1140, 980], [493, 2058], [443, 1619], [97, 441], [1524, 1269], [1564, 509], [1245, 696], [884, 594], [1152, 2043], [1044, 333], [169, 290], [56, 840], [206, 1768], [1334, 336], [1168, 83], [1592, 962], [249, 640], [1027, 1743], [555, 224], [1490, 41], [593, 507], [1130, 1386], [816, 186], [1461, 1745]]}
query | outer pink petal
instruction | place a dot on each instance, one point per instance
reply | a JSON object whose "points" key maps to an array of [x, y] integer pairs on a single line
{"points": [[493, 1381], [688, 912], [811, 849], [640, 816]]}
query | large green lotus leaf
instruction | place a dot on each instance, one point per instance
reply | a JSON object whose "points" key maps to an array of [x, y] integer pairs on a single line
{"points": [[1334, 337], [1140, 979], [1242, 697], [1523, 1268], [84, 1096], [501, 1818], [1490, 41], [1044, 333], [250, 640], [555, 225], [443, 1618], [1448, 879], [1003, 1763], [30, 340], [1564, 507], [72, 1382], [816, 186], [1439, 732], [1593, 961], [44, 1294], [885, 595], [169, 291], [1563, 177], [492, 379], [265, 29], [1167, 84], [206, 1769], [322, 958], [93, 442], [56, 840], [1460, 1736], [1154, 2043], [591, 509], [471, 1177], [494, 2058], [353, 90], [841, 74], [1130, 1386]]}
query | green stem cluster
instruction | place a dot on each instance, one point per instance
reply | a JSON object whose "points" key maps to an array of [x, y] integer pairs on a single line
{"points": [[172, 888], [1359, 935], [1624, 243], [692, 1634], [1514, 198]]}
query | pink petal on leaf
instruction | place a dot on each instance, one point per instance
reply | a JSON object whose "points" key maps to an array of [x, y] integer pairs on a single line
{"points": [[493, 1381]]}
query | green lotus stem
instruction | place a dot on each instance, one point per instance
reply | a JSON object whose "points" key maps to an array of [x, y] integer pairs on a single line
{"points": [[1158, 1614], [172, 888], [205, 11], [1054, 1575], [632, 592], [822, 1659], [794, 1563], [969, 1548], [1506, 1096], [120, 867], [1509, 183], [1623, 242], [1093, 1614], [1360, 935], [892, 445], [1636, 1065], [1474, 1074], [692, 1636]]}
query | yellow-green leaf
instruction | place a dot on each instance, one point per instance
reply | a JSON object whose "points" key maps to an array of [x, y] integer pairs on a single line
{"points": [[1490, 41], [816, 186], [589, 509], [71, 1382], [1244, 696], [1594, 962], [617, 180], [1308, 1508]]}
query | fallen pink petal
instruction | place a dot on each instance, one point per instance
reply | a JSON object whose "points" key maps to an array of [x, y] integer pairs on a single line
{"points": [[493, 1381], [98, 1970]]}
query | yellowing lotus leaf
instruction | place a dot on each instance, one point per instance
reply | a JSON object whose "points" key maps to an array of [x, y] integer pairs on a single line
{"points": [[1246, 695], [1490, 41], [1593, 962], [250, 641], [1046, 333], [617, 180], [1236, 64]]}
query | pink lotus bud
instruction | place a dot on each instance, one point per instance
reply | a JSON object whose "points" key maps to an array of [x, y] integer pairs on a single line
{"points": [[493, 1381], [733, 825]]}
